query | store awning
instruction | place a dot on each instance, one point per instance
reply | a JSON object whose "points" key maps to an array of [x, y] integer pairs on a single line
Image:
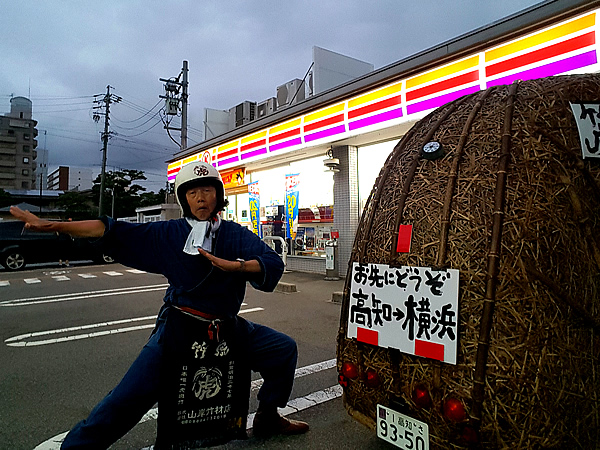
{"points": [[243, 189]]}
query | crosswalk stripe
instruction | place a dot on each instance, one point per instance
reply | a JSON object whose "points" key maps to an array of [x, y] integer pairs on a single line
{"points": [[61, 278], [111, 273]]}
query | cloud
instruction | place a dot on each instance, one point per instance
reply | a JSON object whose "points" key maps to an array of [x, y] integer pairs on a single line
{"points": [[62, 52]]}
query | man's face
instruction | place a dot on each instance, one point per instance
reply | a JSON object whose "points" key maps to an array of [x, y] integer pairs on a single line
{"points": [[202, 201]]}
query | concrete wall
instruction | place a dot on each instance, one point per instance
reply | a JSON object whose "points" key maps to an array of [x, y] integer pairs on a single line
{"points": [[345, 203]]}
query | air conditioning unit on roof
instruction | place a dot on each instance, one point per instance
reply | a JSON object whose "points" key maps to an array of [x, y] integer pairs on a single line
{"points": [[266, 107], [290, 93], [242, 114]]}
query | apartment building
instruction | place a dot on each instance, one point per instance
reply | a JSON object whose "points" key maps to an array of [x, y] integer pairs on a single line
{"points": [[17, 146]]}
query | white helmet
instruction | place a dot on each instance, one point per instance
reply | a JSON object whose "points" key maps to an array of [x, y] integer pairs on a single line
{"points": [[198, 174]]}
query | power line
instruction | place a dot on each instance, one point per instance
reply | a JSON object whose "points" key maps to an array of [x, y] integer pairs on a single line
{"points": [[61, 111], [140, 125], [142, 116], [145, 131]]}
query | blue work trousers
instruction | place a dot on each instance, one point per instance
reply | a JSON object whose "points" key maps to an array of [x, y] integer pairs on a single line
{"points": [[271, 353]]}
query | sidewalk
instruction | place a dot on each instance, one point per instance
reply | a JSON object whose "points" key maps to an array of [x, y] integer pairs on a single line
{"points": [[313, 285]]}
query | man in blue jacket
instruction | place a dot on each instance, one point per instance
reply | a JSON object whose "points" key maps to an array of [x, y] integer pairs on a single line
{"points": [[207, 262]]}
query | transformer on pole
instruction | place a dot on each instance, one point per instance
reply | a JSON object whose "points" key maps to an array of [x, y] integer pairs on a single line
{"points": [[176, 93]]}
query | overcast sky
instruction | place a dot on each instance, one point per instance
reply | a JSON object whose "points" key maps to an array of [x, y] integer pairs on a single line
{"points": [[59, 53]]}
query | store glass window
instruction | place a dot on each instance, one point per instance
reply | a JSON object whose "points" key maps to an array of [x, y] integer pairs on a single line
{"points": [[371, 159], [243, 209], [315, 204]]}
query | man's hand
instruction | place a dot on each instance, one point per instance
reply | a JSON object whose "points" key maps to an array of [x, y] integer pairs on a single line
{"points": [[32, 221], [225, 265]]}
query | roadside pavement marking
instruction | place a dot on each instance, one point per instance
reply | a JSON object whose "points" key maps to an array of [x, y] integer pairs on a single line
{"points": [[61, 278], [83, 295], [301, 372], [23, 340], [53, 443], [295, 405], [19, 340], [65, 278]]}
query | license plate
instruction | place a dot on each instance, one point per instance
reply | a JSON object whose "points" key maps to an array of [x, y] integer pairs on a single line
{"points": [[402, 431]]}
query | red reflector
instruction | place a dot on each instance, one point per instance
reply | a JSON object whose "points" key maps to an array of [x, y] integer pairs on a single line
{"points": [[342, 380], [469, 435], [421, 396], [454, 410], [404, 238], [371, 378], [349, 370]]}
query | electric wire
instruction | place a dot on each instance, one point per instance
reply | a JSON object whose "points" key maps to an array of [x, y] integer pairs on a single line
{"points": [[137, 126]]}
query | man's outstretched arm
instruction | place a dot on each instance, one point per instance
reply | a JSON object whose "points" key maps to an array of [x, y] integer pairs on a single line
{"points": [[80, 228]]}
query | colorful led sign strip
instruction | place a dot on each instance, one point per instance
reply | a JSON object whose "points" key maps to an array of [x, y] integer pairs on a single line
{"points": [[567, 46], [543, 37], [560, 49], [375, 107], [285, 135], [254, 145], [324, 123]]}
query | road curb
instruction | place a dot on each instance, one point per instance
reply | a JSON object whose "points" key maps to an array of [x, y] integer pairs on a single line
{"points": [[336, 297], [286, 287]]}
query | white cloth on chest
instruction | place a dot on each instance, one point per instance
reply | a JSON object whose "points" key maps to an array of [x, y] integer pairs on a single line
{"points": [[201, 235]]}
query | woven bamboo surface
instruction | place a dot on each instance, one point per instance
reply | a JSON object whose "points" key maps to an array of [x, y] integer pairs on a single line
{"points": [[542, 371]]}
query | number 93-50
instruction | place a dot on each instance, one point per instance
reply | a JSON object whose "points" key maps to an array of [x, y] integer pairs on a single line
{"points": [[391, 432]]}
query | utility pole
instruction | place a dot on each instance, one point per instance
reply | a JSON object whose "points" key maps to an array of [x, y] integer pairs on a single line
{"points": [[172, 100], [184, 97], [107, 100]]}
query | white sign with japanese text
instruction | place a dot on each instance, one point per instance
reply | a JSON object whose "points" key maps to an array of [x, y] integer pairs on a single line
{"points": [[413, 309], [587, 116]]}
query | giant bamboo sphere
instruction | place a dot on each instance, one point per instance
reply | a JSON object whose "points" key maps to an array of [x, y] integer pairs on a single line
{"points": [[523, 210]]}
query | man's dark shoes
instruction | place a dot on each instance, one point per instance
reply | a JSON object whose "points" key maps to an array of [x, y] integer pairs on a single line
{"points": [[271, 424]]}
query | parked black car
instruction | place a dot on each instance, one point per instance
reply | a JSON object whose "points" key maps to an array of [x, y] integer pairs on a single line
{"points": [[20, 246]]}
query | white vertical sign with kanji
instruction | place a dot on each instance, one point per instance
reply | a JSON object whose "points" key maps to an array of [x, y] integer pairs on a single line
{"points": [[413, 309], [587, 116]]}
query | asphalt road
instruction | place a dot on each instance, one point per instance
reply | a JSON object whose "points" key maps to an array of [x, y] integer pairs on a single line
{"points": [[69, 334]]}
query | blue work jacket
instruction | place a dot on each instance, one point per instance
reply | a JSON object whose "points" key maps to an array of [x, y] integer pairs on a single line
{"points": [[157, 247]]}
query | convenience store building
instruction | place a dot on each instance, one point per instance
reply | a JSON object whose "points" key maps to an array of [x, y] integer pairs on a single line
{"points": [[326, 146]]}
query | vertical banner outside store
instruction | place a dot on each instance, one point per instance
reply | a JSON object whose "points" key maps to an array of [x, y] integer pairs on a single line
{"points": [[291, 204], [254, 208]]}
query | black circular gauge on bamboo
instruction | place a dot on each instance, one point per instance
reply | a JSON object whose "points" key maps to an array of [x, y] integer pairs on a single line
{"points": [[433, 150]]}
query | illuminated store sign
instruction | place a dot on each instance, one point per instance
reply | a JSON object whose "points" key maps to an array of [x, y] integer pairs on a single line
{"points": [[567, 47]]}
